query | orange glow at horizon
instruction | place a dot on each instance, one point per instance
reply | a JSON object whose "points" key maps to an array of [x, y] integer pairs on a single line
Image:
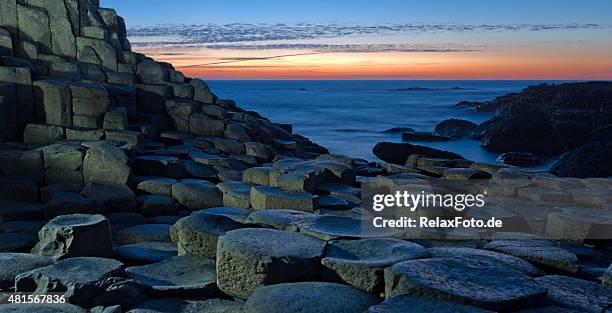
{"points": [[570, 63]]}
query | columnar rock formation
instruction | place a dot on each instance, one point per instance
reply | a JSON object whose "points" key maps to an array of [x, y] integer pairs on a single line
{"points": [[127, 186]]}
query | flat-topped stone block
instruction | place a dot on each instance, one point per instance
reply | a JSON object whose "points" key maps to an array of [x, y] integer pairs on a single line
{"points": [[332, 227], [106, 163], [197, 194], [279, 219], [198, 233], [582, 295], [144, 233], [361, 263], [80, 279], [148, 252], [75, 235], [251, 258], [115, 197], [266, 198], [182, 276], [157, 186], [538, 251], [13, 264], [480, 283]]}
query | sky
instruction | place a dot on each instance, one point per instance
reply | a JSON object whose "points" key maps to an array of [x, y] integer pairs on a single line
{"points": [[384, 39]]}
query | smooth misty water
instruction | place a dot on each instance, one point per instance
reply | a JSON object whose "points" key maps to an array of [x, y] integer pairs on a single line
{"points": [[348, 117]]}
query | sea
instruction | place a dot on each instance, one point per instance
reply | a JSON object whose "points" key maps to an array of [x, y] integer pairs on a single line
{"points": [[350, 116]]}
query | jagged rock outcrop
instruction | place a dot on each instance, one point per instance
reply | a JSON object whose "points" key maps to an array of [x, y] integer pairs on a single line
{"points": [[555, 118]]}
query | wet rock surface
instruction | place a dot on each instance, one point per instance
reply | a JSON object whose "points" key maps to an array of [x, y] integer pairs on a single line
{"points": [[477, 282]]}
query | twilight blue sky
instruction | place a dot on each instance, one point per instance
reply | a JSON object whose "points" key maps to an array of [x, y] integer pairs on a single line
{"points": [[387, 39], [367, 11]]}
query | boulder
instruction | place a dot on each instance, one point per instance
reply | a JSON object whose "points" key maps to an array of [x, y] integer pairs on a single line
{"points": [[197, 194], [80, 279], [421, 304], [266, 198], [13, 264], [69, 236], [251, 258], [198, 233], [309, 297], [478, 282], [143, 233], [106, 163], [456, 128], [114, 197], [398, 153], [360, 263], [148, 252], [181, 276], [582, 295]]}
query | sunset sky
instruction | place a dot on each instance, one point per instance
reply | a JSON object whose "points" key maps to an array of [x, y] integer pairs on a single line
{"points": [[385, 39]]}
